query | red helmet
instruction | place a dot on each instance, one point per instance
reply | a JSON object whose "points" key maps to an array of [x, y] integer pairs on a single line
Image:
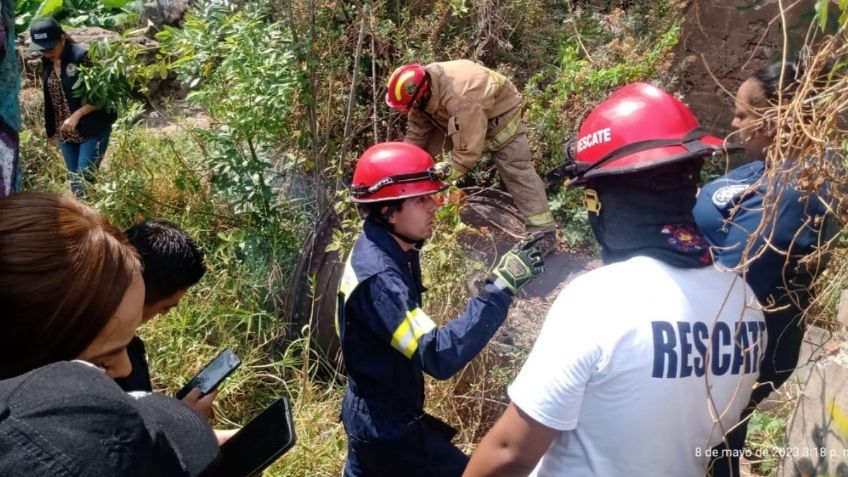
{"points": [[396, 170], [407, 83], [638, 127]]}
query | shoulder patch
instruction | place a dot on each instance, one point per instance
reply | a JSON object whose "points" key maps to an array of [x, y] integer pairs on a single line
{"points": [[724, 195], [71, 70]]}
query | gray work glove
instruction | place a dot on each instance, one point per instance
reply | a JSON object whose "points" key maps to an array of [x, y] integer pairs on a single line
{"points": [[518, 266]]}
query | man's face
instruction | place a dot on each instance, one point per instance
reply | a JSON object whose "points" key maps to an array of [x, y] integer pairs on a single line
{"points": [[415, 219], [162, 306]]}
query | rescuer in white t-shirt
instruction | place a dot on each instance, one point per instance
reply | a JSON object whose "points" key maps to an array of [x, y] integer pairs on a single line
{"points": [[643, 364]]}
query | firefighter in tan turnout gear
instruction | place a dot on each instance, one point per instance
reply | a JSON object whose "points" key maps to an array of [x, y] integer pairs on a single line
{"points": [[469, 109]]}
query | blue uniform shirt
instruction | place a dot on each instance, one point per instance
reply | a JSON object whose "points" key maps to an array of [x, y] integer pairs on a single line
{"points": [[730, 208], [388, 341]]}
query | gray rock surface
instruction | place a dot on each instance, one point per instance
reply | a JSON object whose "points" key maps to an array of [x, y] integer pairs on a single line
{"points": [[734, 38], [817, 433], [165, 12]]}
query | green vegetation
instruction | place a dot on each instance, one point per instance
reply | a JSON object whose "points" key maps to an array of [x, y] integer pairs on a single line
{"points": [[573, 219], [596, 53], [275, 79], [766, 437], [102, 13]]}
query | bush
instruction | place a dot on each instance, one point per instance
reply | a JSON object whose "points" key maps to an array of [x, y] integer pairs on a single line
{"points": [[151, 176], [102, 13], [625, 45]]}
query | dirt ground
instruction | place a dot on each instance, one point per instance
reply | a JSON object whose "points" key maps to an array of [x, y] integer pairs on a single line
{"points": [[530, 308], [493, 211]]}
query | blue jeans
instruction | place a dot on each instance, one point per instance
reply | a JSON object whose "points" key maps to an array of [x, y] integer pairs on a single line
{"points": [[83, 159]]}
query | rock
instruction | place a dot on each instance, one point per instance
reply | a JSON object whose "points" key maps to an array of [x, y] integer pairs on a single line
{"points": [[817, 434], [88, 35], [734, 38], [165, 12], [831, 348], [813, 350], [777, 398], [842, 309], [84, 36]]}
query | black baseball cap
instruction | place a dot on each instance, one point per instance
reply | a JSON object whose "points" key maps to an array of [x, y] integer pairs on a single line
{"points": [[44, 33], [69, 419]]}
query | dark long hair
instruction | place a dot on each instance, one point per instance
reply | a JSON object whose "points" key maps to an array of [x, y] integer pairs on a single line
{"points": [[64, 269], [771, 76]]}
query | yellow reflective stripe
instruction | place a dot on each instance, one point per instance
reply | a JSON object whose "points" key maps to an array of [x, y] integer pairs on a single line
{"points": [[347, 284], [349, 281], [499, 140], [421, 322], [499, 80], [544, 218], [400, 82], [415, 325], [404, 340]]}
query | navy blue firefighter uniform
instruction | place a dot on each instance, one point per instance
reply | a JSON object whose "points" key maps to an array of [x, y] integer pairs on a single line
{"points": [[728, 211], [388, 342]]}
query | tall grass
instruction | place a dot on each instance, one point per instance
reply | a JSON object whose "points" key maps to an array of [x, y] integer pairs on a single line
{"points": [[154, 175]]}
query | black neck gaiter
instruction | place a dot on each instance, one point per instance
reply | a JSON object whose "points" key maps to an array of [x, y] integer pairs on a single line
{"points": [[650, 214]]}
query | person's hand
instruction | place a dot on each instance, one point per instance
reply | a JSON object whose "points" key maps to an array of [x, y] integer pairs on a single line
{"points": [[519, 266], [223, 435], [71, 123], [455, 175], [201, 404]]}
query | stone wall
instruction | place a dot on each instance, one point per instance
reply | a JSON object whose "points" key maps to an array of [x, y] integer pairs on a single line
{"points": [[734, 38]]}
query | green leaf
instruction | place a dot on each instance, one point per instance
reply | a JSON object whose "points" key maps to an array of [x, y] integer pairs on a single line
{"points": [[843, 7], [48, 8], [821, 9], [114, 3]]}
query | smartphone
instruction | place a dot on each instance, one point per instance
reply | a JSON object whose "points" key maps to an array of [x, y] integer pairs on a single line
{"points": [[213, 374], [257, 445]]}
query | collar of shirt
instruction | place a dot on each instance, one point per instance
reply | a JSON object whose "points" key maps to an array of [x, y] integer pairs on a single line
{"points": [[434, 103], [384, 240]]}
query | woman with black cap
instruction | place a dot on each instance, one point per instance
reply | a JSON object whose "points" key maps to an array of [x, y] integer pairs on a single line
{"points": [[82, 129]]}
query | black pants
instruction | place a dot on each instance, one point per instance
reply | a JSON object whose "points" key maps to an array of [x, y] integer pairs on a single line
{"points": [[418, 448], [785, 331]]}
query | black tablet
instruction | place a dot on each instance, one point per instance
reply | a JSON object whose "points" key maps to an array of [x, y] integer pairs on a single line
{"points": [[257, 445]]}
